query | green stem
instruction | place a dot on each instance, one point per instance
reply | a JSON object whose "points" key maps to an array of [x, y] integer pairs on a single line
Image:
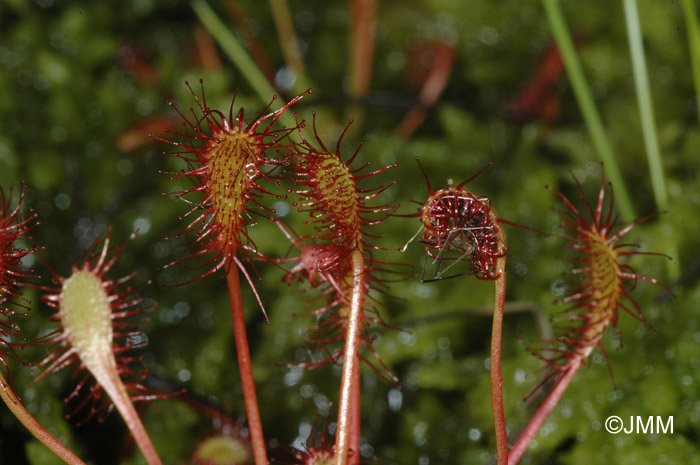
{"points": [[38, 431], [584, 97], [499, 417], [693, 29], [245, 367], [350, 362], [235, 51]]}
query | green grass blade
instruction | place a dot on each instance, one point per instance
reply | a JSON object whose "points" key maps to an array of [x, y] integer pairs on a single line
{"points": [[693, 29], [584, 97], [240, 58], [646, 109], [646, 114]]}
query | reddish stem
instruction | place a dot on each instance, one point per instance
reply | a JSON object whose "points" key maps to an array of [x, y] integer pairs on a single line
{"points": [[443, 59], [252, 42], [496, 375], [39, 432], [245, 367], [362, 38], [115, 389], [362, 31], [289, 43], [543, 411], [355, 423], [346, 414]]}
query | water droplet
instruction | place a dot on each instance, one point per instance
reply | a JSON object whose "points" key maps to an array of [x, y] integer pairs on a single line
{"points": [[62, 201]]}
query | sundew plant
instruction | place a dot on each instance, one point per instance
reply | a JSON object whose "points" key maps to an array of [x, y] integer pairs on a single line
{"points": [[238, 232]]}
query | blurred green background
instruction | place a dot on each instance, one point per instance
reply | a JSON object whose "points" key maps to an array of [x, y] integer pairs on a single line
{"points": [[83, 83]]}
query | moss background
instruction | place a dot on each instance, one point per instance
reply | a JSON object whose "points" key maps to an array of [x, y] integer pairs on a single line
{"points": [[83, 83]]}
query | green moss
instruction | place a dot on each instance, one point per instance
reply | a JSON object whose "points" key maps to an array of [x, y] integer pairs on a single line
{"points": [[73, 81]]}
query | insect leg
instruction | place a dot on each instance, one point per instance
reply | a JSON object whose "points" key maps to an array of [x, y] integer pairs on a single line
{"points": [[403, 249]]}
